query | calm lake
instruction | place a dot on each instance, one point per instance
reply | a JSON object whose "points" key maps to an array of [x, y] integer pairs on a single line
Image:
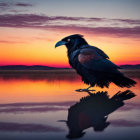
{"points": [[42, 105]]}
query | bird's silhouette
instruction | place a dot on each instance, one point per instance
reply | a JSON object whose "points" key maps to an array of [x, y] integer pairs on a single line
{"points": [[93, 64], [93, 110]]}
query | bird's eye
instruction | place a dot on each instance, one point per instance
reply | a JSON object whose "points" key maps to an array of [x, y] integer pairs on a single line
{"points": [[68, 40]]}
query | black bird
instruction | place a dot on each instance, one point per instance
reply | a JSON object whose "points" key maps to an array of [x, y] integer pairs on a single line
{"points": [[93, 111], [93, 64]]}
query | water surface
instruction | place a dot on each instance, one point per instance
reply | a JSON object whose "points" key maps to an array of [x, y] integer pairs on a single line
{"points": [[34, 105]]}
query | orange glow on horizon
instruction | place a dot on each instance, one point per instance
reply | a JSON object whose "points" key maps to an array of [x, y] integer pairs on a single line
{"points": [[34, 47]]}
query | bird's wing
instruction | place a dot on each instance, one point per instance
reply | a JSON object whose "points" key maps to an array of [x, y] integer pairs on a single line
{"points": [[97, 50], [101, 52], [90, 59]]}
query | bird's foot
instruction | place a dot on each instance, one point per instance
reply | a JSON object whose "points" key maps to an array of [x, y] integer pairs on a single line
{"points": [[84, 90]]}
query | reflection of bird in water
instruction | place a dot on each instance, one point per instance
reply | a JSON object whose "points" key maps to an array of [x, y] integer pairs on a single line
{"points": [[93, 64], [93, 110]]}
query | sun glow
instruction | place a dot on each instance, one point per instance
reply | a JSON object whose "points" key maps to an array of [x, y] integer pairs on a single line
{"points": [[36, 47]]}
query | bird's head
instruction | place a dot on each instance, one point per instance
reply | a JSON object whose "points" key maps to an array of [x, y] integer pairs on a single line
{"points": [[72, 41]]}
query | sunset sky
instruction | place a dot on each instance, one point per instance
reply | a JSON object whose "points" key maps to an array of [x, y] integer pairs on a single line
{"points": [[29, 29]]}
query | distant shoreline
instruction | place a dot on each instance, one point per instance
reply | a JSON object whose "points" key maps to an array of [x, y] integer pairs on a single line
{"points": [[43, 68], [56, 71], [54, 74], [38, 71]]}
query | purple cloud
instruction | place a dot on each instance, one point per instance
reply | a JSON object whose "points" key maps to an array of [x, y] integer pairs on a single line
{"points": [[110, 31], [43, 18], [78, 24], [129, 21], [2, 4], [130, 106], [125, 123], [23, 4], [6, 4], [34, 107], [10, 6], [12, 127], [38, 104]]}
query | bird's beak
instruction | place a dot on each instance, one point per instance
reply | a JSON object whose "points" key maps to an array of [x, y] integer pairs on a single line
{"points": [[59, 43]]}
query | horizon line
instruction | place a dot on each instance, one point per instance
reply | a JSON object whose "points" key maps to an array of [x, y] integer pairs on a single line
{"points": [[60, 66]]}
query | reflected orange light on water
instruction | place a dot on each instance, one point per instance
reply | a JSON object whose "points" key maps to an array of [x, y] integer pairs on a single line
{"points": [[51, 89], [37, 91]]}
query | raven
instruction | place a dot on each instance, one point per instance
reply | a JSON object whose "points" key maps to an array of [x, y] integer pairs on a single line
{"points": [[92, 64]]}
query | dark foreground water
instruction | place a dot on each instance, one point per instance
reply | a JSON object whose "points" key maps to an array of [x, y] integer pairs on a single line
{"points": [[45, 106]]}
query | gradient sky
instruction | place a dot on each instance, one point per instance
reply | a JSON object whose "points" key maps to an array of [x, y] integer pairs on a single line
{"points": [[30, 29]]}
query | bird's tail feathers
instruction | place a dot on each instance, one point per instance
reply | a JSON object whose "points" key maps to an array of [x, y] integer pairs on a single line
{"points": [[119, 80], [104, 79], [120, 96], [123, 81]]}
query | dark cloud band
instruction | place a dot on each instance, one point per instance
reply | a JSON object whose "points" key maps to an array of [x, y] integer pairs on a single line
{"points": [[34, 107], [12, 127], [80, 24], [125, 123]]}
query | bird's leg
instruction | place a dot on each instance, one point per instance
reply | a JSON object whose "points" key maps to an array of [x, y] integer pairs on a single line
{"points": [[87, 89]]}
